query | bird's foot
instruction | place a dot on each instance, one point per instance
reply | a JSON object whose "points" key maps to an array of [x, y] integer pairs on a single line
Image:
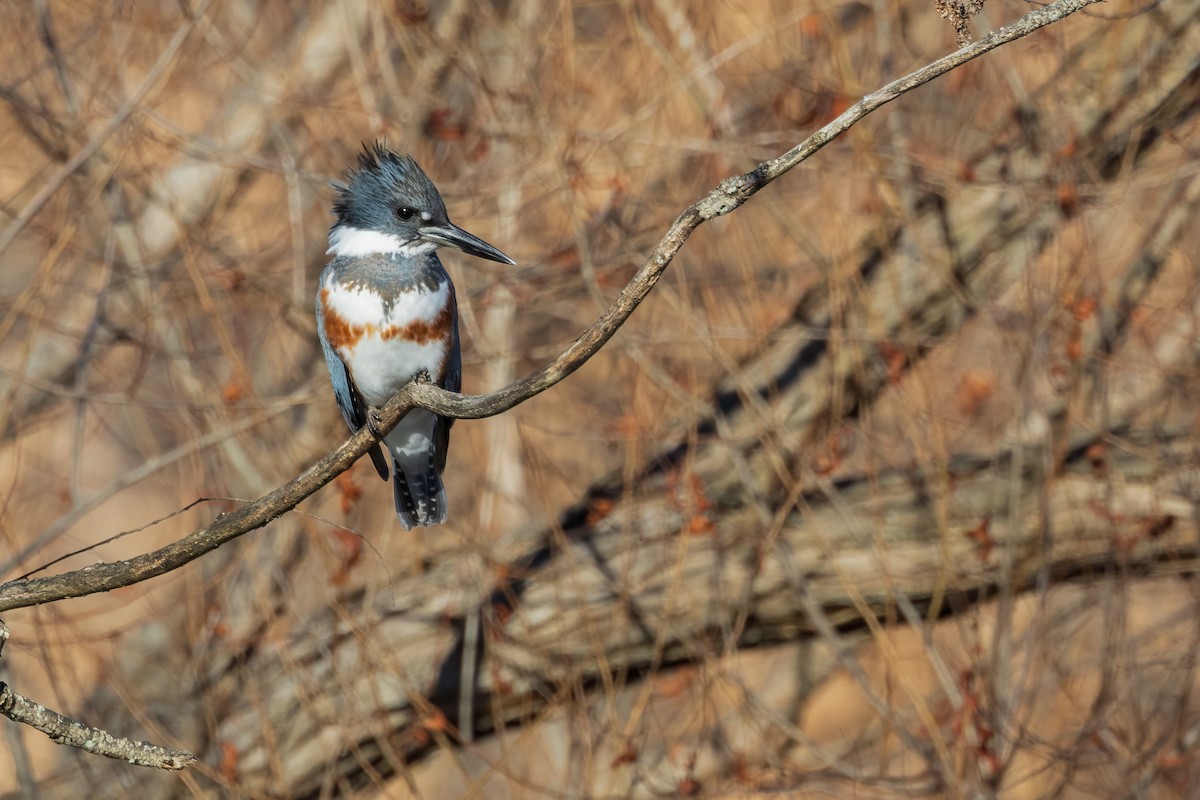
{"points": [[422, 376], [374, 423]]}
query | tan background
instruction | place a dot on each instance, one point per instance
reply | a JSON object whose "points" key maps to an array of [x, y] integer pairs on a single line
{"points": [[157, 346]]}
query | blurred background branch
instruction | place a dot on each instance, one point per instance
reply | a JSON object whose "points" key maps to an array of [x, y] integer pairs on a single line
{"points": [[888, 489], [724, 199]]}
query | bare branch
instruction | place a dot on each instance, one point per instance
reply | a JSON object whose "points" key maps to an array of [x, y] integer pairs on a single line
{"points": [[64, 730], [727, 196]]}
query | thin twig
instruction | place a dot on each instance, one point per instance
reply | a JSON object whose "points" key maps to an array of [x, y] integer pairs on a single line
{"points": [[730, 194], [160, 68], [144, 470]]}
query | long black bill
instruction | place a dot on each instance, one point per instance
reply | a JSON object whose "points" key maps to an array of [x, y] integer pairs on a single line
{"points": [[450, 235]]}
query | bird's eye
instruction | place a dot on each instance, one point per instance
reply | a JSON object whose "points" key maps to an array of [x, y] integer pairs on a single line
{"points": [[405, 213]]}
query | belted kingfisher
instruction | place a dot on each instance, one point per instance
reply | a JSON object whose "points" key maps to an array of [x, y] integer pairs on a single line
{"points": [[386, 314]]}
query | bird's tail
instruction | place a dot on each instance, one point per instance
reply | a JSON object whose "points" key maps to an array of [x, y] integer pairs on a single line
{"points": [[416, 479], [420, 495]]}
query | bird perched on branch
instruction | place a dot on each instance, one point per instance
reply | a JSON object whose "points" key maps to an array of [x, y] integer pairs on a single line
{"points": [[386, 315]]}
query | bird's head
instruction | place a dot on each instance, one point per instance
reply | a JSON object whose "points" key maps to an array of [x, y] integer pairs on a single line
{"points": [[389, 205]]}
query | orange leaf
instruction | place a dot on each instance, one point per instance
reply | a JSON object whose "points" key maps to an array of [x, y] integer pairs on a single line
{"points": [[674, 683], [1075, 346], [1084, 307], [974, 389], [228, 765], [698, 497], [1154, 527], [435, 721], [600, 508], [1097, 456], [348, 491], [231, 393], [1067, 196], [351, 545], [441, 126], [628, 755], [982, 536]]}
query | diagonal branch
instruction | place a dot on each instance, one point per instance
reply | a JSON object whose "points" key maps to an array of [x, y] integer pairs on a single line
{"points": [[730, 194], [64, 730]]}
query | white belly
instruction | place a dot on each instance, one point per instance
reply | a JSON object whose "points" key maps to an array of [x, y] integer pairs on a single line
{"points": [[380, 367]]}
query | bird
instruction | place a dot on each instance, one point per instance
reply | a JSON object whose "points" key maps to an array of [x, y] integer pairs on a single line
{"points": [[387, 315]]}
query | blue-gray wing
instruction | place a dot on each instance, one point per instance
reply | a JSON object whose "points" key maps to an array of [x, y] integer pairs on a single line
{"points": [[453, 382], [353, 409]]}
